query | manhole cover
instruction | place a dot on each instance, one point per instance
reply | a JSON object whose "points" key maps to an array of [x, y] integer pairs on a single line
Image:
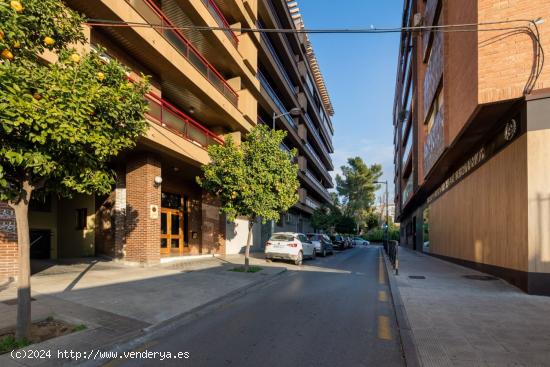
{"points": [[417, 277], [480, 277]]}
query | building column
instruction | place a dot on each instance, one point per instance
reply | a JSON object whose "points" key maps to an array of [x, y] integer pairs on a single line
{"points": [[142, 210], [538, 188], [213, 226]]}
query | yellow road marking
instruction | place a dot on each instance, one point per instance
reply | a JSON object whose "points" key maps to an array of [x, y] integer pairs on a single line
{"points": [[381, 276], [384, 331], [382, 296]]}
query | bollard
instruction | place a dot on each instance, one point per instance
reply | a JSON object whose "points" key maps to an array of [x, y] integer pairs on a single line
{"points": [[396, 257]]}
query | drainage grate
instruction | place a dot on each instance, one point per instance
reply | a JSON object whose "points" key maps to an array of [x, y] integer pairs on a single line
{"points": [[417, 277], [480, 277]]}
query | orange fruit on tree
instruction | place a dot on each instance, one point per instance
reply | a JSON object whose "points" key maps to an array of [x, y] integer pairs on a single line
{"points": [[6, 54], [100, 76], [1, 35], [75, 58], [37, 96], [48, 41], [16, 5]]}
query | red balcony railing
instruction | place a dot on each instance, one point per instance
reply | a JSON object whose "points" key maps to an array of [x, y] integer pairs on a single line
{"points": [[169, 117], [155, 16], [220, 19]]}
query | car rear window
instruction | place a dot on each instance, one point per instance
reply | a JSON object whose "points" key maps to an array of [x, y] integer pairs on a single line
{"points": [[282, 237], [314, 237]]}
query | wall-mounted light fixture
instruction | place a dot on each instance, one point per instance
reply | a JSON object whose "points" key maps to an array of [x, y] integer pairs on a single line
{"points": [[158, 181]]}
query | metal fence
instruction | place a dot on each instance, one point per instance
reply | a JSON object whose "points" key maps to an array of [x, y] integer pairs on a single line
{"points": [[392, 250]]}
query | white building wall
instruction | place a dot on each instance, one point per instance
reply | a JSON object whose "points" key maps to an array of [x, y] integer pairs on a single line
{"points": [[237, 235]]}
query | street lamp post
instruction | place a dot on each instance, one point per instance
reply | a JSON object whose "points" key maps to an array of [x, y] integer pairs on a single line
{"points": [[295, 112], [387, 210]]}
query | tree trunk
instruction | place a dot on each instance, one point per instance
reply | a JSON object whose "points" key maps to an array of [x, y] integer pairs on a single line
{"points": [[21, 209], [248, 242]]}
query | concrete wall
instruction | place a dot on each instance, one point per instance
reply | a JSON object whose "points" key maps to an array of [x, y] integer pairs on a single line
{"points": [[73, 242], [538, 172], [237, 234]]}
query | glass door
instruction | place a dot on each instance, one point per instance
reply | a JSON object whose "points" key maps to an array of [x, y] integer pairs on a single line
{"points": [[172, 224]]}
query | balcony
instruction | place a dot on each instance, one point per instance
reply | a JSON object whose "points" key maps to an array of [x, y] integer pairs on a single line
{"points": [[435, 142], [407, 191], [314, 155], [154, 15], [434, 73], [317, 183], [278, 61], [169, 117], [220, 20], [312, 203], [313, 129], [406, 151], [276, 100]]}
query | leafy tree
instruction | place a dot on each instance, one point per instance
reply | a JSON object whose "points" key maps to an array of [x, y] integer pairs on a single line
{"points": [[372, 220], [61, 122], [346, 224], [357, 187], [255, 180], [325, 217]]}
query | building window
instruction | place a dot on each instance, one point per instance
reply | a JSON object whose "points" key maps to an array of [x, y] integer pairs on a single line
{"points": [[437, 107], [81, 218]]}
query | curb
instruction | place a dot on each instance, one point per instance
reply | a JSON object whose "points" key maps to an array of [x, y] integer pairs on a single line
{"points": [[136, 338], [405, 332]]}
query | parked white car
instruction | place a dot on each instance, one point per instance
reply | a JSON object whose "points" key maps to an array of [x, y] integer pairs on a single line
{"points": [[289, 246], [359, 241]]}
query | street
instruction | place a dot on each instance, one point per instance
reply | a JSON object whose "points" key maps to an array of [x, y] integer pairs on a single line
{"points": [[337, 312]]}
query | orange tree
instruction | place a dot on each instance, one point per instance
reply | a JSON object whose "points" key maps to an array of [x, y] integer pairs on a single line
{"points": [[255, 180], [61, 122]]}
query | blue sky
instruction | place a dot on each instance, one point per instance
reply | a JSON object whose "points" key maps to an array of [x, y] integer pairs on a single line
{"points": [[359, 71]]}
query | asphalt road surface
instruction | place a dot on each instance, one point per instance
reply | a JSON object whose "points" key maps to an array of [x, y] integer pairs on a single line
{"points": [[335, 311]]}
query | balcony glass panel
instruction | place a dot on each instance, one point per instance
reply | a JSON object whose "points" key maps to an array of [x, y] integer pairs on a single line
{"points": [[407, 191], [278, 61], [169, 117], [220, 19], [407, 150], [275, 98]]}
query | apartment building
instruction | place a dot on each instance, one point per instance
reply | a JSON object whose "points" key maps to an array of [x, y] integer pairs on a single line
{"points": [[206, 86], [472, 136]]}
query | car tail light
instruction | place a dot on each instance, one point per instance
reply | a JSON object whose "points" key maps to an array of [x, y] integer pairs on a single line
{"points": [[268, 243], [292, 245]]}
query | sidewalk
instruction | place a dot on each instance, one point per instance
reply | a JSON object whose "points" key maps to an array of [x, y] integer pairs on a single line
{"points": [[117, 302], [457, 321]]}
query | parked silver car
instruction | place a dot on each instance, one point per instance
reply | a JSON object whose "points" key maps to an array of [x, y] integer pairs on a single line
{"points": [[322, 243]]}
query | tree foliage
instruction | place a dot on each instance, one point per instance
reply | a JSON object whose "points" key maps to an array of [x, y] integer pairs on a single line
{"points": [[257, 179], [325, 217], [61, 122], [357, 187]]}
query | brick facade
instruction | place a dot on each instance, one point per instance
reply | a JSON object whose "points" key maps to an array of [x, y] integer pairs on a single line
{"points": [[8, 242], [142, 225]]}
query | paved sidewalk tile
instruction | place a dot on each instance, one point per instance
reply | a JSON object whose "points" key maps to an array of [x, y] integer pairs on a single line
{"points": [[462, 322], [117, 302]]}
